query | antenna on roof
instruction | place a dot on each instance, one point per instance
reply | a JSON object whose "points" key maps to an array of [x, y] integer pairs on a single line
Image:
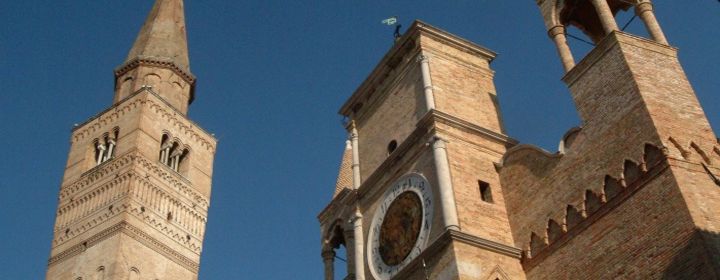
{"points": [[393, 21]]}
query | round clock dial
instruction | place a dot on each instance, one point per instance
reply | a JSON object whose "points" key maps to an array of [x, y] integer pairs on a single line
{"points": [[400, 226]]}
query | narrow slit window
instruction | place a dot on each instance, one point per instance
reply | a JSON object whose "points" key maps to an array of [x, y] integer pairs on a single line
{"points": [[485, 192]]}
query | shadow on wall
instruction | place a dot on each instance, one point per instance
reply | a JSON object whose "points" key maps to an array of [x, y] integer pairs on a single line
{"points": [[700, 259]]}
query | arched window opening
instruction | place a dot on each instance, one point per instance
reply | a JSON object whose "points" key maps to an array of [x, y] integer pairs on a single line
{"points": [[182, 162], [584, 15], [164, 149], [336, 250], [172, 153], [105, 146]]}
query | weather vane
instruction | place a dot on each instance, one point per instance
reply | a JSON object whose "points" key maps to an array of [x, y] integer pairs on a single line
{"points": [[393, 21]]}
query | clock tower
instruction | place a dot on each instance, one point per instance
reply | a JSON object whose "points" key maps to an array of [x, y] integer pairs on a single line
{"points": [[418, 194], [134, 198]]}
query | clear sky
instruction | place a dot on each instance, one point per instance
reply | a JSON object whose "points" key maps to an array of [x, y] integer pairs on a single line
{"points": [[271, 78]]}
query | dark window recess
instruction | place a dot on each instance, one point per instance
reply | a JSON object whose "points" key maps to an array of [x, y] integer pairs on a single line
{"points": [[392, 146], [485, 193]]}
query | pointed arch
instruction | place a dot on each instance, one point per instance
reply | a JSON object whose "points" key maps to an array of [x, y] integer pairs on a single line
{"points": [[498, 274]]}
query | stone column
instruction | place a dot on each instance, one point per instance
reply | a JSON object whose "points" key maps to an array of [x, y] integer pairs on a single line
{"points": [[354, 138], [644, 10], [359, 255], [101, 152], [557, 34], [111, 148], [166, 154], [427, 82], [606, 16], [447, 197], [328, 256], [349, 236]]}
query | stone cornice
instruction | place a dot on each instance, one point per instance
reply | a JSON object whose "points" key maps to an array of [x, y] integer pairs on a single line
{"points": [[483, 243], [448, 237], [342, 198], [436, 116], [155, 62], [133, 232]]}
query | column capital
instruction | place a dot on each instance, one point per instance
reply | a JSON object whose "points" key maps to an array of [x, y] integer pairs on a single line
{"points": [[557, 30], [438, 142], [423, 58], [644, 6]]}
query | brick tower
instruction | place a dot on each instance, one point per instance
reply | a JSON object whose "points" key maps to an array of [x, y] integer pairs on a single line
{"points": [[419, 195], [134, 198], [633, 192]]}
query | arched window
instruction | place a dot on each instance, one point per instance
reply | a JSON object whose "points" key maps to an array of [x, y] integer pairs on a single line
{"points": [[596, 19], [172, 153], [105, 146], [336, 249], [165, 149]]}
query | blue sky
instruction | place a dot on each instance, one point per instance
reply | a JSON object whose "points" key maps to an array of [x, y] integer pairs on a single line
{"points": [[271, 77]]}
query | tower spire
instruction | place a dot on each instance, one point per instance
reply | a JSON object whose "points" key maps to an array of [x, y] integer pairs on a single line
{"points": [[163, 35], [159, 58]]}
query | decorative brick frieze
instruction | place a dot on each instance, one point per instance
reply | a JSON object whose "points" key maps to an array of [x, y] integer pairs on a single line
{"points": [[133, 232], [138, 100], [178, 183]]}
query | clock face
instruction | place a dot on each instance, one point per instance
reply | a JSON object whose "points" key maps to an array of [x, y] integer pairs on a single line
{"points": [[400, 226]]}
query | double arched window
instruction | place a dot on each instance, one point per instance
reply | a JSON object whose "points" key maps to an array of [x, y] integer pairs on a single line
{"points": [[172, 152], [105, 146]]}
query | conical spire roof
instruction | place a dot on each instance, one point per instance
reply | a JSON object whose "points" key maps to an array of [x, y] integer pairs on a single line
{"points": [[163, 36], [345, 176]]}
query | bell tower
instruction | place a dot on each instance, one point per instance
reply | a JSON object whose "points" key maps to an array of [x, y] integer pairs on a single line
{"points": [[633, 192], [424, 134], [136, 190]]}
